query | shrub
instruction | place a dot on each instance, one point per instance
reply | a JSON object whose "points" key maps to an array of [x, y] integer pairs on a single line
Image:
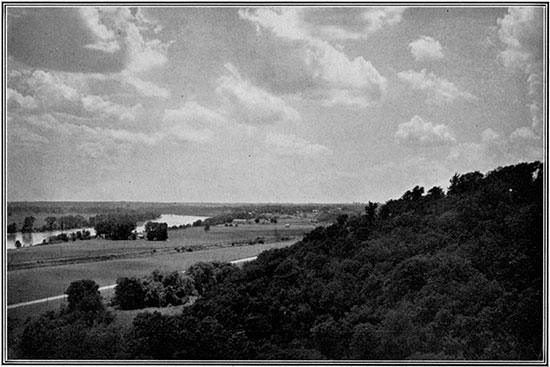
{"points": [[129, 294]]}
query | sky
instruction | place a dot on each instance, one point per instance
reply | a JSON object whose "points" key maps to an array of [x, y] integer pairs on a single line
{"points": [[289, 104]]}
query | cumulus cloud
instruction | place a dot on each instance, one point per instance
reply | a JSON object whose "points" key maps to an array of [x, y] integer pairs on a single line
{"points": [[330, 23], [66, 138], [522, 33], [251, 104], [489, 135], [422, 132], [99, 105], [145, 88], [27, 102], [115, 41], [290, 145], [333, 73], [67, 93], [426, 49], [523, 134], [439, 91], [193, 122]]}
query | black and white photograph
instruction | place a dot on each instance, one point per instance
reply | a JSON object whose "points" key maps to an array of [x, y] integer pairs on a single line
{"points": [[275, 183]]}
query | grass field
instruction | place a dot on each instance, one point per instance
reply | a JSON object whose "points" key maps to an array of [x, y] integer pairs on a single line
{"points": [[41, 282], [195, 236]]}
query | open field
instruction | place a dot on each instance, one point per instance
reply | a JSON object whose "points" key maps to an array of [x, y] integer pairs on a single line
{"points": [[191, 237], [30, 284]]}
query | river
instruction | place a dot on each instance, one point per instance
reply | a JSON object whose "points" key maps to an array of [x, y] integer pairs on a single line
{"points": [[36, 238]]}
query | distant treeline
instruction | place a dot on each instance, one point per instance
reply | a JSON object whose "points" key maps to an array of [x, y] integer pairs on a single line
{"points": [[206, 209], [455, 275], [68, 222]]}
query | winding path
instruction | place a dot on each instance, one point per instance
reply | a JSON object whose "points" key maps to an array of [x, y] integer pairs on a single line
{"points": [[107, 287]]}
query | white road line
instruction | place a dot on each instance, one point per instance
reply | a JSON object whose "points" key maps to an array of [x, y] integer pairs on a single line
{"points": [[63, 296], [244, 260]]}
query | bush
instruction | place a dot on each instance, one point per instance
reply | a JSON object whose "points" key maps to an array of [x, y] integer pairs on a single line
{"points": [[129, 294], [156, 290], [83, 295]]}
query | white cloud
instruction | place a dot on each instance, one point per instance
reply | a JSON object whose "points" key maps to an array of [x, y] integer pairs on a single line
{"points": [[424, 132], [88, 142], [335, 68], [146, 88], [521, 31], [345, 97], [192, 111], [523, 134], [66, 93], [426, 49], [290, 145], [333, 73], [99, 105], [105, 38], [494, 150], [192, 122], [489, 135], [27, 102], [439, 91], [309, 24], [115, 28], [251, 104]]}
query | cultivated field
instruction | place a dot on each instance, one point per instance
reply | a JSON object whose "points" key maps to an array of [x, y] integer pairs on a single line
{"points": [[90, 250]]}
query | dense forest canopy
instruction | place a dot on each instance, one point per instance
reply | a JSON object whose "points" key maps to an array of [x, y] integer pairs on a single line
{"points": [[431, 275]]}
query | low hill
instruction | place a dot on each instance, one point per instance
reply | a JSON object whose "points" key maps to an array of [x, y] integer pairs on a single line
{"points": [[434, 275]]}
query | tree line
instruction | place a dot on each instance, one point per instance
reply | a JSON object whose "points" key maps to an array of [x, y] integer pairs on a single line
{"points": [[66, 222]]}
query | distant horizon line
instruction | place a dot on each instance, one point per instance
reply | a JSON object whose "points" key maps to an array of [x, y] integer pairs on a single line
{"points": [[184, 202]]}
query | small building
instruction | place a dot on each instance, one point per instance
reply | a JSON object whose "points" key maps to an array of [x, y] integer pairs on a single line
{"points": [[239, 221]]}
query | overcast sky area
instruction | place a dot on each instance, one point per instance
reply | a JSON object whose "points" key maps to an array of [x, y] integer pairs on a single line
{"points": [[267, 104]]}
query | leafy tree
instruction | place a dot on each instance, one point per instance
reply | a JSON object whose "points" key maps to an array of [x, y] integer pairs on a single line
{"points": [[129, 294], [156, 231], [12, 228], [28, 224], [436, 192], [83, 295], [50, 223], [115, 226]]}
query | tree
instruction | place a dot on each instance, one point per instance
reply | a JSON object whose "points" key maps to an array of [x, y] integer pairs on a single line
{"points": [[129, 294], [436, 192], [50, 223], [156, 231], [114, 226], [12, 228], [83, 295], [370, 211], [28, 224], [17, 244], [207, 227]]}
